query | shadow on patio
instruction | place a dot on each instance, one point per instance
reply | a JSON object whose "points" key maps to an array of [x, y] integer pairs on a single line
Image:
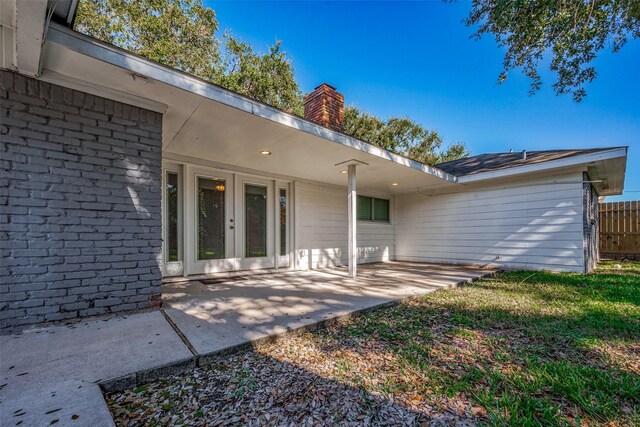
{"points": [[235, 311]]}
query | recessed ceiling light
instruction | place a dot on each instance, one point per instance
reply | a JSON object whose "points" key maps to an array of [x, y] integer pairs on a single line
{"points": [[265, 152], [395, 184], [343, 171]]}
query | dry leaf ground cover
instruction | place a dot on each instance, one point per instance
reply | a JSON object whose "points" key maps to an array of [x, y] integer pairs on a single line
{"points": [[520, 348]]}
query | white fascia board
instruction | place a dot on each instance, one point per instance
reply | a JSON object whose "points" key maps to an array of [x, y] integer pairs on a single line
{"points": [[30, 17], [553, 164], [115, 56]]}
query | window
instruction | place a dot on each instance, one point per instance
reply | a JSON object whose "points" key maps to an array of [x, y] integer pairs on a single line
{"points": [[364, 208], [283, 221], [172, 197], [372, 209], [380, 210]]}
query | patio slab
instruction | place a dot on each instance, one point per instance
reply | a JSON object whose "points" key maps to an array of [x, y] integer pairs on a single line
{"points": [[236, 311], [53, 373]]}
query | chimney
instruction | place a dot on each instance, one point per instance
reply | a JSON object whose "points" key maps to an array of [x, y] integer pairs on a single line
{"points": [[325, 106], [524, 154]]}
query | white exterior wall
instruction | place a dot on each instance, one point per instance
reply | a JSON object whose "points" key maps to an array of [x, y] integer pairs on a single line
{"points": [[537, 224], [321, 218]]}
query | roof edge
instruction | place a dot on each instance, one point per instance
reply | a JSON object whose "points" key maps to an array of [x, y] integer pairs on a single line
{"points": [[136, 64]]}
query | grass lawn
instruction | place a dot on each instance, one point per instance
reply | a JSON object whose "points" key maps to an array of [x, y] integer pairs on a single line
{"points": [[520, 348]]}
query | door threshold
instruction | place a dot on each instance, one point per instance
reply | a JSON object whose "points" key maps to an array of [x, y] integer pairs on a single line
{"points": [[224, 275]]}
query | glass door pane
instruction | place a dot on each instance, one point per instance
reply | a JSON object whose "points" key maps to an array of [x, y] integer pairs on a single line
{"points": [[255, 206], [211, 218]]}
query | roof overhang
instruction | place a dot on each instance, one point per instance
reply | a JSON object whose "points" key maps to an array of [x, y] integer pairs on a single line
{"points": [[207, 124], [606, 170], [205, 121]]}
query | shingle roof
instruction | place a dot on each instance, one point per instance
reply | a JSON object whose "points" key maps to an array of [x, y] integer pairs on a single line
{"points": [[497, 161]]}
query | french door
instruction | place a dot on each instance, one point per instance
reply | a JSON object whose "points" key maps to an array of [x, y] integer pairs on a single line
{"points": [[255, 234], [210, 225], [219, 221]]}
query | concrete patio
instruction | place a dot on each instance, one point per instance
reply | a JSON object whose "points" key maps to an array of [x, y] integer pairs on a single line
{"points": [[55, 373], [241, 309]]}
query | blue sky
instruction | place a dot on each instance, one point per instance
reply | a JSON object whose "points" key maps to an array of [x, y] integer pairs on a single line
{"points": [[416, 59]]}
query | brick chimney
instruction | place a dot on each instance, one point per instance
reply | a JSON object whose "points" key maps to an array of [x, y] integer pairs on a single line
{"points": [[325, 106]]}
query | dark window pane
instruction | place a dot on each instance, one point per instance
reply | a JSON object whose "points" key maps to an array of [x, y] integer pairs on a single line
{"points": [[255, 213], [283, 221], [172, 216], [364, 208], [211, 218], [380, 210]]}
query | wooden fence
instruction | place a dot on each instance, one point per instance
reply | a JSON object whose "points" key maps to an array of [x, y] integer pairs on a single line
{"points": [[619, 230]]}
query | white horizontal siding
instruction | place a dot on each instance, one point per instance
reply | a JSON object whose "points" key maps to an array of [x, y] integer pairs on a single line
{"points": [[375, 242], [322, 230], [535, 225]]}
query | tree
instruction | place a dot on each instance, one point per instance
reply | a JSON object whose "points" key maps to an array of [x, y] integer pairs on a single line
{"points": [[268, 78], [571, 32], [177, 33], [182, 35], [402, 136]]}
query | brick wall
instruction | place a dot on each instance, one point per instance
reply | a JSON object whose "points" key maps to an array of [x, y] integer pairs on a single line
{"points": [[80, 204]]}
